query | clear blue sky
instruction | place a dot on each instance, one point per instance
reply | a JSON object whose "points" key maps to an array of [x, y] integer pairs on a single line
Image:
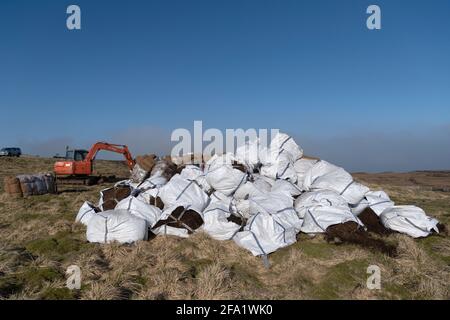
{"points": [[366, 100]]}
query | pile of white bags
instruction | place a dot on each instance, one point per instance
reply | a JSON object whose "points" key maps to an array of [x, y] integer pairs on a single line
{"points": [[260, 198]]}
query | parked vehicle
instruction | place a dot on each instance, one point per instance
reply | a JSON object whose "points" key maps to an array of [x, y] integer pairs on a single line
{"points": [[10, 152]]}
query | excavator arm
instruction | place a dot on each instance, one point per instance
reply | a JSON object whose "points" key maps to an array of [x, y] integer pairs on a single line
{"points": [[113, 148]]}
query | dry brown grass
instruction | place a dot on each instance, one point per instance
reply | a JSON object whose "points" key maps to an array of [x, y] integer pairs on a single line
{"points": [[39, 240], [214, 282], [416, 270]]}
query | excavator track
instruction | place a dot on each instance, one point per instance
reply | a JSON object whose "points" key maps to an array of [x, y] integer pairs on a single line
{"points": [[81, 181], [85, 180]]}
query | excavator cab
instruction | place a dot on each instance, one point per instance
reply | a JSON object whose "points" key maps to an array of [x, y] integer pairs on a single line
{"points": [[76, 155]]}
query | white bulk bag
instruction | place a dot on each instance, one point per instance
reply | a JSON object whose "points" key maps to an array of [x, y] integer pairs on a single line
{"points": [[155, 181], [182, 191], [321, 209], [318, 219], [124, 183], [138, 173], [326, 176], [319, 198], [263, 234], [246, 190], [282, 167], [286, 187], [243, 208], [301, 166], [263, 183], [140, 209], [101, 200], [281, 143], [229, 201], [272, 202], [280, 206], [149, 188], [410, 220], [169, 230], [219, 196], [221, 175], [191, 172], [169, 210], [354, 193], [116, 225], [379, 201], [248, 154], [85, 213], [216, 223], [357, 209], [148, 195]]}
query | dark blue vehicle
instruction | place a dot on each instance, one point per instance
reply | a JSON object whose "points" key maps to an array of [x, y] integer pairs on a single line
{"points": [[10, 152]]}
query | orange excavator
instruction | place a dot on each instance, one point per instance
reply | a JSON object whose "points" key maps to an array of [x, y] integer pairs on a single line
{"points": [[78, 165]]}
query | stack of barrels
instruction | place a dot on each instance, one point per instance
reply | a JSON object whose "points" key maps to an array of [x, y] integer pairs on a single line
{"points": [[12, 187], [30, 185]]}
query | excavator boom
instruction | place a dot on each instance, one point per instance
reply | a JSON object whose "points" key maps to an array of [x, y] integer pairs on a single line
{"points": [[117, 148]]}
